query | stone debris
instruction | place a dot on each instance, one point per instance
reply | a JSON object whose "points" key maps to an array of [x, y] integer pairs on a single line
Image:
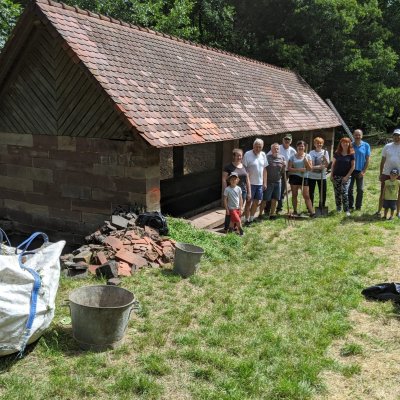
{"points": [[119, 248]]}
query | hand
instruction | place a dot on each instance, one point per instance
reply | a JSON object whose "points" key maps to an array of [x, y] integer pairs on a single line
{"points": [[264, 187], [361, 174], [345, 179]]}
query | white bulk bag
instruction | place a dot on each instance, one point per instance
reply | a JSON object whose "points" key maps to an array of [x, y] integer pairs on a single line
{"points": [[28, 288]]}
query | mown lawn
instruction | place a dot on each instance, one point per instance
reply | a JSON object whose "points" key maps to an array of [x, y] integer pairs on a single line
{"points": [[254, 323]]}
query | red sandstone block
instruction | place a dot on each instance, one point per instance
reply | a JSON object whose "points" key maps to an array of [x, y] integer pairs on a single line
{"points": [[124, 269], [131, 258], [140, 241], [102, 258], [92, 269], [115, 243]]}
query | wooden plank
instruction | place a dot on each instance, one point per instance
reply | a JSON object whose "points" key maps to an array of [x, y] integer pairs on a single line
{"points": [[74, 100], [45, 117], [46, 59], [68, 83], [37, 68], [24, 106], [111, 128], [101, 124], [91, 115], [69, 101], [74, 121], [6, 124], [18, 113], [18, 120]]}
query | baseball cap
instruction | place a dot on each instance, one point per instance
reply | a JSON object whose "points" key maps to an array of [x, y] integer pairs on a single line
{"points": [[396, 132], [394, 171], [233, 174], [289, 136]]}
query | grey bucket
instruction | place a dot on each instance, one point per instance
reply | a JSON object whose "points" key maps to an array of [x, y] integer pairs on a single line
{"points": [[187, 258], [100, 315]]}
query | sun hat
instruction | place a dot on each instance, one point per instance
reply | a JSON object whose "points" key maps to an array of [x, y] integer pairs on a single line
{"points": [[394, 171], [235, 174]]}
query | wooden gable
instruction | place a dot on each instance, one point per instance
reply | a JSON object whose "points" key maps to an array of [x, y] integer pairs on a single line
{"points": [[48, 92]]}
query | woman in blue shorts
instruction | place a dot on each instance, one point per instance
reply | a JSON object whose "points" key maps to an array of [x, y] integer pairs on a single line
{"points": [[298, 167]]}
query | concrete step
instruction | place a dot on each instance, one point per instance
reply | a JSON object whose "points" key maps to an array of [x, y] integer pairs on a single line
{"points": [[209, 219]]}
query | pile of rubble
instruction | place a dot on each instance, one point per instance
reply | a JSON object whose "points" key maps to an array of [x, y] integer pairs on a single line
{"points": [[119, 248]]}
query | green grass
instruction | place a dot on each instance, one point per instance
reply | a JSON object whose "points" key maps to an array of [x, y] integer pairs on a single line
{"points": [[254, 323]]}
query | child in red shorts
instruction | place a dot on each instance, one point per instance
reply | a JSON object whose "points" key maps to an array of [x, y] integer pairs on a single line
{"points": [[233, 202]]}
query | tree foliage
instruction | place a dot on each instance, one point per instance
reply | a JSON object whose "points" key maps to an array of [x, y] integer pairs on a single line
{"points": [[347, 50], [9, 12]]}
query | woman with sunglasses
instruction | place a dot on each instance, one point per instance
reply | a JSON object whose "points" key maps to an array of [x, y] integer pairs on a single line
{"points": [[299, 165], [343, 164]]}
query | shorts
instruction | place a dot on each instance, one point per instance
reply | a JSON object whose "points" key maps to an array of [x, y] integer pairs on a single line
{"points": [[385, 178], [296, 180], [273, 191], [256, 192], [244, 194], [235, 215], [389, 204]]}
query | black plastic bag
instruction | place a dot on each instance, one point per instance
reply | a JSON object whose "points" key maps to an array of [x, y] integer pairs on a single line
{"points": [[383, 292], [153, 219]]}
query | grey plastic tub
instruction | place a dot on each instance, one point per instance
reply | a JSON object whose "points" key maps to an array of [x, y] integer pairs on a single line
{"points": [[100, 315], [187, 258]]}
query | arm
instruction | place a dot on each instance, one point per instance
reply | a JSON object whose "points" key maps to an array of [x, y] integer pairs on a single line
{"points": [[226, 205], [265, 178], [224, 178], [333, 167], [365, 166], [241, 201], [353, 164], [248, 187], [383, 160], [308, 163]]}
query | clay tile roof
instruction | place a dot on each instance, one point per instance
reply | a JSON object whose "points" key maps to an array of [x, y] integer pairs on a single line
{"points": [[174, 92]]}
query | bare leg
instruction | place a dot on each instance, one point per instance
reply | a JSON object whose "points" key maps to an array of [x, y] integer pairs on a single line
{"points": [[253, 207], [273, 207], [307, 200], [262, 208]]}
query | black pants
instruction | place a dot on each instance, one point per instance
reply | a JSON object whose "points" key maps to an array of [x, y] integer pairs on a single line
{"points": [[311, 186], [358, 179]]}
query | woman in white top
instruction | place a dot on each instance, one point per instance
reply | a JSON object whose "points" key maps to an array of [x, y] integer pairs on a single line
{"points": [[320, 161], [299, 165]]}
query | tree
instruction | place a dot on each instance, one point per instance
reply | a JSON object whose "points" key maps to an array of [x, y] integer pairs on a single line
{"points": [[9, 12]]}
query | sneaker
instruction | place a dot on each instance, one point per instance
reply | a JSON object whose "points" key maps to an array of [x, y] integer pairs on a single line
{"points": [[247, 223], [313, 215], [241, 233], [348, 214], [272, 217], [390, 218], [378, 214]]}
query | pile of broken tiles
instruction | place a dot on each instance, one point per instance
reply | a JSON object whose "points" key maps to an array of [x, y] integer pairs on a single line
{"points": [[119, 248]]}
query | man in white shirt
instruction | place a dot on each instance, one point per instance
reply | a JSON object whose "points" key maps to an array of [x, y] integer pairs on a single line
{"points": [[390, 160], [255, 162]]}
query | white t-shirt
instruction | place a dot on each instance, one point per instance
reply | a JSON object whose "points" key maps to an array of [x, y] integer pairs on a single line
{"points": [[233, 195], [392, 154], [287, 153], [255, 165], [316, 157]]}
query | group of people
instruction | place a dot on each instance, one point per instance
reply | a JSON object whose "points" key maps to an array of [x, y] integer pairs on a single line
{"points": [[258, 180]]}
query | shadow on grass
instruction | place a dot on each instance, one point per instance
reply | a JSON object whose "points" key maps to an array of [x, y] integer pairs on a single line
{"points": [[364, 218], [7, 362]]}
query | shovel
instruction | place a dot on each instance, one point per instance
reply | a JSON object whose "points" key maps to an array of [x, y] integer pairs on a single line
{"points": [[321, 211]]}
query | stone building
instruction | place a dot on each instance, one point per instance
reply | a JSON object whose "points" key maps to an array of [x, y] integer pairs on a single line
{"points": [[96, 113]]}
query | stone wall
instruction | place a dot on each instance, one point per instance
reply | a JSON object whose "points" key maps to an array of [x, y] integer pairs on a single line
{"points": [[67, 186]]}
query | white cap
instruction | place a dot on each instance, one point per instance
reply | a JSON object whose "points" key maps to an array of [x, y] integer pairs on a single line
{"points": [[396, 132]]}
